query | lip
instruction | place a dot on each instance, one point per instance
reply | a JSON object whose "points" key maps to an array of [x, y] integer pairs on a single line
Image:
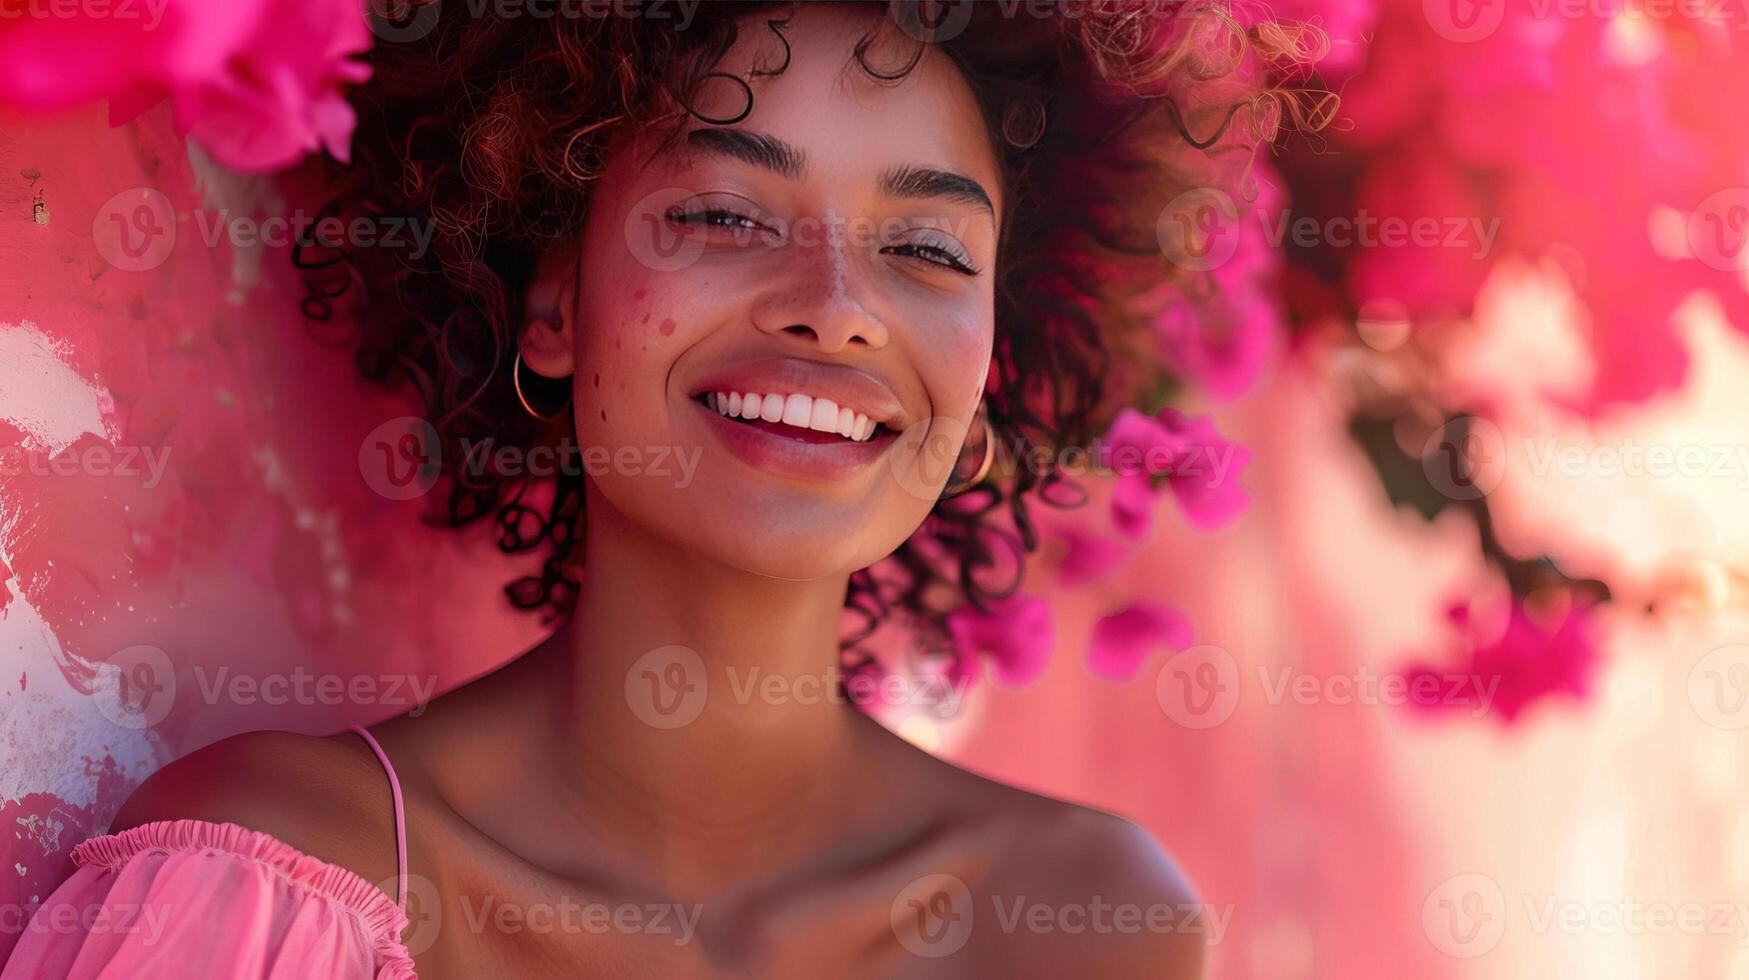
{"points": [[770, 451], [845, 386]]}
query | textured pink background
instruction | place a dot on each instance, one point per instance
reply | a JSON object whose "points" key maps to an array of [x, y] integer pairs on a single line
{"points": [[1321, 829]]}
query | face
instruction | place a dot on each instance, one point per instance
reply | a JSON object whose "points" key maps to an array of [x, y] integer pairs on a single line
{"points": [[832, 254]]}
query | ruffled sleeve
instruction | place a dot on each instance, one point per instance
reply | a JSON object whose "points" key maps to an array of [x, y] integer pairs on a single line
{"points": [[188, 898]]}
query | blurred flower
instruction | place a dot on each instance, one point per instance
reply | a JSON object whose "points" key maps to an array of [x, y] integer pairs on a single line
{"points": [[1500, 122], [1529, 662], [1182, 452], [1433, 243], [1088, 557], [1123, 640], [1224, 333], [1226, 344], [258, 83], [1017, 634]]}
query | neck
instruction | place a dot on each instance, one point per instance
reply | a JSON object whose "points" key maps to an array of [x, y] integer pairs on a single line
{"points": [[698, 700]]}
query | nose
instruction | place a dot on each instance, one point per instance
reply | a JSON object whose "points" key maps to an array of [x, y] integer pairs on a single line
{"points": [[823, 291]]}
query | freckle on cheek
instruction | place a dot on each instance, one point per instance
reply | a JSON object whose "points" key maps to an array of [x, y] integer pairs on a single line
{"points": [[604, 415], [598, 379], [646, 318], [667, 326]]}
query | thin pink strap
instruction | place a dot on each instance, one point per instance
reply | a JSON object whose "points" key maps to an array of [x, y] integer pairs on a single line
{"points": [[400, 817]]}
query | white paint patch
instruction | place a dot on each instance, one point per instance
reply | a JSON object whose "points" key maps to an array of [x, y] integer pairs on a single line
{"points": [[49, 730], [44, 397]]}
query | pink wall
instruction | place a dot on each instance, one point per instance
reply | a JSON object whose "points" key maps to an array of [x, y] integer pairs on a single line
{"points": [[1323, 835]]}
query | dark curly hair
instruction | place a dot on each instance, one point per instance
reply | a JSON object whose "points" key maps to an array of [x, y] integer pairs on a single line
{"points": [[493, 130]]}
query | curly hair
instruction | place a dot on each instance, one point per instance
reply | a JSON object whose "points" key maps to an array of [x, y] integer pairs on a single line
{"points": [[494, 130]]}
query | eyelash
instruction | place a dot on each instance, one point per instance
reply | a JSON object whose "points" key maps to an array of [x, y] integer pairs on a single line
{"points": [[955, 260]]}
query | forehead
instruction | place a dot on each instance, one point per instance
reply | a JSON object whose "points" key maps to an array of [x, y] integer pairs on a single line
{"points": [[826, 103]]}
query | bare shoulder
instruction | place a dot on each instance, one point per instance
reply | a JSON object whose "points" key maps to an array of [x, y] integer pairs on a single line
{"points": [[1086, 888], [1072, 890], [327, 797]]}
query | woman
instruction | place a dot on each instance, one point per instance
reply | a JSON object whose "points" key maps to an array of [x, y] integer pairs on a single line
{"points": [[808, 247]]}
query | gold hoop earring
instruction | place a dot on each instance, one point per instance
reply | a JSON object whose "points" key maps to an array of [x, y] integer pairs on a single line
{"points": [[954, 489], [516, 382]]}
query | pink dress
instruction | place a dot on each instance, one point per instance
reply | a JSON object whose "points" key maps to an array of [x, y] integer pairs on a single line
{"points": [[181, 899]]}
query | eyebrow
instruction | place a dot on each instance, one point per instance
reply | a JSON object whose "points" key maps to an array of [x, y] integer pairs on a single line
{"points": [[770, 153]]}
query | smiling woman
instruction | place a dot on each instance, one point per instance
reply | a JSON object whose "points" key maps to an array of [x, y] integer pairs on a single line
{"points": [[815, 247]]}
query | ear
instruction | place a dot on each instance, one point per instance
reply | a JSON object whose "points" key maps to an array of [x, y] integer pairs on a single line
{"points": [[548, 314]]}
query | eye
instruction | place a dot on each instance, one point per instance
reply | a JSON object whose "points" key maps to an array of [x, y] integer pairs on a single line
{"points": [[738, 221], [719, 217], [947, 255]]}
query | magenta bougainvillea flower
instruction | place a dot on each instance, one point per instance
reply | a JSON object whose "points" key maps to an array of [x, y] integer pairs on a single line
{"points": [[1179, 451], [1017, 635], [1529, 662], [1123, 640], [1226, 340], [1490, 125], [257, 83], [1088, 556]]}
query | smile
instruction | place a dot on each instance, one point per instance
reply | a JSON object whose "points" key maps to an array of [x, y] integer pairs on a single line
{"points": [[803, 413], [790, 446]]}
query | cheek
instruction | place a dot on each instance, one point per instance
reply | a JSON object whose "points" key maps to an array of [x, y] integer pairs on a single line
{"points": [[620, 366], [952, 358], [627, 342]]}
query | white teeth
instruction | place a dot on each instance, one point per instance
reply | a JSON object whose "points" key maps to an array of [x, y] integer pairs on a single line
{"points": [[825, 416], [801, 411], [771, 410]]}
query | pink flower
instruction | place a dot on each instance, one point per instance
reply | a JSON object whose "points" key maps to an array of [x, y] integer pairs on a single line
{"points": [[1529, 662], [1123, 640], [258, 83], [1017, 634], [1089, 556], [1090, 553], [1183, 453], [1226, 344], [1227, 333]]}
